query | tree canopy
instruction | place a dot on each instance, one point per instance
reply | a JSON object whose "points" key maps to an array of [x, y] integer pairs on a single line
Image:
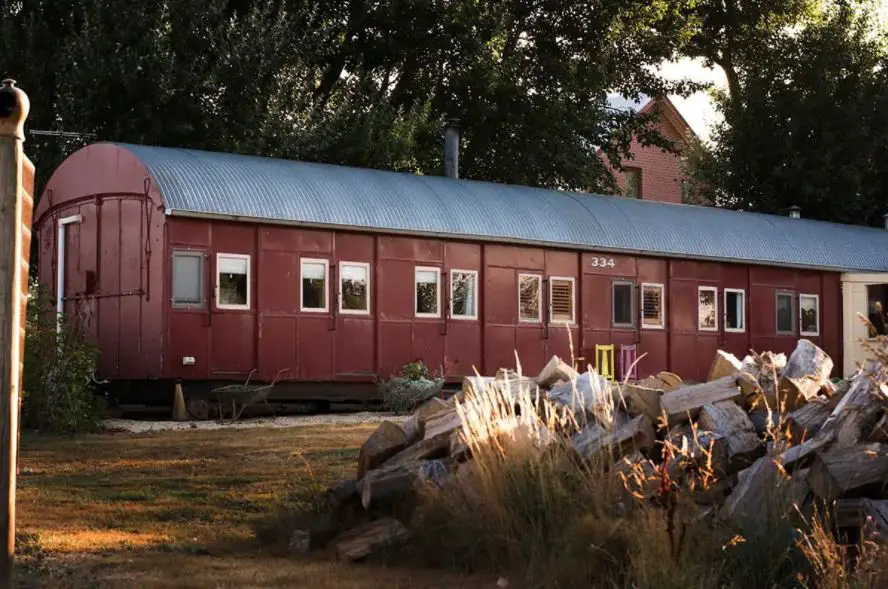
{"points": [[359, 82]]}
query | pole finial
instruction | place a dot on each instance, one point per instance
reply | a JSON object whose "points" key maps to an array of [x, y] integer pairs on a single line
{"points": [[14, 108]]}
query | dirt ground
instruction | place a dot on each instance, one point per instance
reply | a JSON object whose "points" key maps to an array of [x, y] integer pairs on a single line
{"points": [[173, 508]]}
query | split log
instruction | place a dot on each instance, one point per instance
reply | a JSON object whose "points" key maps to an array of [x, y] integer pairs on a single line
{"points": [[685, 403], [387, 486], [587, 397], [724, 364], [880, 431], [363, 541], [762, 420], [429, 409], [876, 513], [475, 385], [343, 494], [412, 429], [427, 449], [385, 442], [698, 447], [849, 471], [554, 370], [442, 422], [755, 498], [800, 456], [856, 413], [670, 381], [641, 399], [807, 420], [636, 434], [807, 370], [639, 475], [726, 419]]}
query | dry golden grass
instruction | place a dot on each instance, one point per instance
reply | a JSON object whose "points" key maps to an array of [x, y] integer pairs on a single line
{"points": [[173, 509]]}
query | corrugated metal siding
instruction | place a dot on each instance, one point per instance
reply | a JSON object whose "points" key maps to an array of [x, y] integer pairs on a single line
{"points": [[200, 182]]}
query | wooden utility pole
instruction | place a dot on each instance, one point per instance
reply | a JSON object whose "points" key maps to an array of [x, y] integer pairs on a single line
{"points": [[16, 207]]}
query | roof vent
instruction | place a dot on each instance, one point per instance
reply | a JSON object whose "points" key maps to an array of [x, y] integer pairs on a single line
{"points": [[795, 212], [451, 149]]}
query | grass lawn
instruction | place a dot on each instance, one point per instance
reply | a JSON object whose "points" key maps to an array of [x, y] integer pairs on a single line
{"points": [[172, 509]]}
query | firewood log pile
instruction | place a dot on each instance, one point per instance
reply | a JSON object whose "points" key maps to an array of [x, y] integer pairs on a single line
{"points": [[758, 424]]}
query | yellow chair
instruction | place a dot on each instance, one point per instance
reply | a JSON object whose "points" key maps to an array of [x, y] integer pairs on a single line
{"points": [[604, 360]]}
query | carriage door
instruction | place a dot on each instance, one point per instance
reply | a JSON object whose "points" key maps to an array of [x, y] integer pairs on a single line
{"points": [[862, 294]]}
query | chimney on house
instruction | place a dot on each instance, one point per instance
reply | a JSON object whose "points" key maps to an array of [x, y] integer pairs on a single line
{"points": [[795, 212], [451, 148]]}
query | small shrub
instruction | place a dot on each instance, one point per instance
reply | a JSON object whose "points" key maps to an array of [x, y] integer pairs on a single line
{"points": [[57, 391], [411, 386]]}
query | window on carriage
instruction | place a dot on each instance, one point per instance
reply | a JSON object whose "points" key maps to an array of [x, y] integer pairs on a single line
{"points": [[354, 281], [623, 312], [785, 313], [809, 314], [653, 315], [428, 292], [529, 302], [735, 310], [233, 281], [188, 279], [561, 300], [463, 294], [707, 308], [314, 284]]}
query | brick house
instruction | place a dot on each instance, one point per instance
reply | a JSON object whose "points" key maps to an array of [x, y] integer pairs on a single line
{"points": [[653, 173]]}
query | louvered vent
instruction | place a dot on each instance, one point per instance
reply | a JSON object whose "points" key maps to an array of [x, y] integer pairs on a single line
{"points": [[652, 306], [562, 300]]}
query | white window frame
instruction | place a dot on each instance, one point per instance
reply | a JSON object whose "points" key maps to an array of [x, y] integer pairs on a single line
{"points": [[573, 300], [437, 272], [662, 288], [816, 298], [742, 294], [539, 280], [366, 267], [474, 274], [189, 253], [714, 290], [793, 309], [245, 307], [326, 264]]}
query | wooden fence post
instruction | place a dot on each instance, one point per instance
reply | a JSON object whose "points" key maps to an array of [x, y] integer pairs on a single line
{"points": [[16, 207]]}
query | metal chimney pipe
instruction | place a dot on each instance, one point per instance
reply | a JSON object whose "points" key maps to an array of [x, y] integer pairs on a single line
{"points": [[795, 212], [885, 219], [451, 149]]}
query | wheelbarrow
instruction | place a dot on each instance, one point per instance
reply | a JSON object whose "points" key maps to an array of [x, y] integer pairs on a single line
{"points": [[236, 396]]}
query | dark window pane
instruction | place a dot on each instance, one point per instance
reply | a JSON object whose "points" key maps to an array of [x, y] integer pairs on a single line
{"points": [[809, 314], [426, 298], [623, 305], [652, 310], [232, 289], [314, 285], [734, 310], [529, 298], [784, 313], [706, 309]]}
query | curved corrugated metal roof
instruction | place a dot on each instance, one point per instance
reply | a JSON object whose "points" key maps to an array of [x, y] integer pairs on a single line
{"points": [[237, 186]]}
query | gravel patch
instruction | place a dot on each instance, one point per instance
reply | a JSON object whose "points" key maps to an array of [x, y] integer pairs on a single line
{"points": [[138, 426]]}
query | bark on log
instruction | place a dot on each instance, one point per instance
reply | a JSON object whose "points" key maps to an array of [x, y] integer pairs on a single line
{"points": [[636, 434], [726, 419], [807, 370], [876, 513], [849, 471], [756, 496], [724, 364], [442, 422], [671, 381], [806, 421], [639, 475], [685, 403], [554, 370], [363, 541], [386, 486], [385, 442], [427, 449], [700, 448], [343, 494], [644, 400]]}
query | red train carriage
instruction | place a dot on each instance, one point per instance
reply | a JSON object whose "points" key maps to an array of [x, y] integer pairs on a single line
{"points": [[205, 266]]}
